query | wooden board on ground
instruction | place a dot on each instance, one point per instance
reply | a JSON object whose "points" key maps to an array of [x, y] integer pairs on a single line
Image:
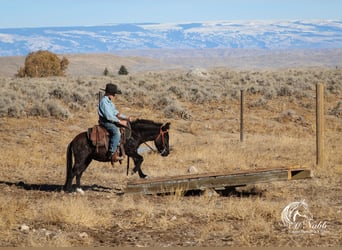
{"points": [[171, 184]]}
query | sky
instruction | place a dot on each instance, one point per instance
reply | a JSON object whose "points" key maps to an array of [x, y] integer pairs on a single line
{"points": [[54, 13]]}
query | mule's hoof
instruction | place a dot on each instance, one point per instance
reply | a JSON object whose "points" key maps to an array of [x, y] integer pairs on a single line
{"points": [[67, 189], [80, 191]]}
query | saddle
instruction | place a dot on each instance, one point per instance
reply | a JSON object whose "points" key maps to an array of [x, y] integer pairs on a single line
{"points": [[99, 137]]}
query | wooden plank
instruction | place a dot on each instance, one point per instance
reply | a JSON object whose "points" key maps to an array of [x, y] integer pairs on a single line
{"points": [[214, 180], [301, 174], [212, 174]]}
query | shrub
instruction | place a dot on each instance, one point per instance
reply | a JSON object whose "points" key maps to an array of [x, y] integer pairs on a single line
{"points": [[123, 70], [106, 72], [11, 107], [38, 110], [43, 64], [57, 111], [173, 110], [176, 91], [261, 102], [337, 110]]}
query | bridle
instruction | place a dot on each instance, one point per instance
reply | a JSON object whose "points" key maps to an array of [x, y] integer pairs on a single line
{"points": [[162, 135]]}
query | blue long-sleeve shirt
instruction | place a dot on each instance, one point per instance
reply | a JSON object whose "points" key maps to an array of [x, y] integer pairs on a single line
{"points": [[107, 110]]}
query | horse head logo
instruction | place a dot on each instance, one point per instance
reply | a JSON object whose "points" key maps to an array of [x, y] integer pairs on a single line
{"points": [[296, 214]]}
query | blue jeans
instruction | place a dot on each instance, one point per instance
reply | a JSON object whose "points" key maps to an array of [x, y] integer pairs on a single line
{"points": [[114, 135]]}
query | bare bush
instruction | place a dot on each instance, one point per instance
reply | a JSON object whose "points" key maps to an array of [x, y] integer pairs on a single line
{"points": [[38, 110], [261, 102], [57, 110], [177, 91], [291, 116], [337, 110], [11, 107], [174, 110]]}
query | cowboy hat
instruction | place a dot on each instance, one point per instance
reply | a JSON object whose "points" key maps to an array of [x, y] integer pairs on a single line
{"points": [[112, 89]]}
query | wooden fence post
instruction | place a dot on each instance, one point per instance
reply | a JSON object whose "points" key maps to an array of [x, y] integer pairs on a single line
{"points": [[99, 96], [241, 115], [320, 125]]}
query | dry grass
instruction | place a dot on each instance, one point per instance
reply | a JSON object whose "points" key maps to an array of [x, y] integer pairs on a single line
{"points": [[74, 211], [279, 132]]}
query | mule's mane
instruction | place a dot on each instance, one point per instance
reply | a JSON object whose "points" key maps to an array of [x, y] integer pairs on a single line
{"points": [[145, 122]]}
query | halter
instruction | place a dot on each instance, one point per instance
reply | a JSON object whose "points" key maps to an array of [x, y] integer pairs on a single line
{"points": [[161, 134]]}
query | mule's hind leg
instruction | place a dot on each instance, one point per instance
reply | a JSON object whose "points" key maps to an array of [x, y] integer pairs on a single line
{"points": [[69, 169], [68, 182], [70, 178], [80, 169]]}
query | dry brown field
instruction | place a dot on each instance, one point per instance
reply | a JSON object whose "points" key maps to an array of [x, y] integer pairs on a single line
{"points": [[39, 117]]}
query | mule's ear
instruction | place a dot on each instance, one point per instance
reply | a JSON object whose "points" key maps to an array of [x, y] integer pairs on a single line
{"points": [[166, 126]]}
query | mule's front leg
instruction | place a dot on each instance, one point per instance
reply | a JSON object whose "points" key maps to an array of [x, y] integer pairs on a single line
{"points": [[68, 184], [138, 159], [78, 180], [78, 184]]}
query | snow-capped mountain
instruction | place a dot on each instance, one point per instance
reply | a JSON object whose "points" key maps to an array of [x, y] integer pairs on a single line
{"points": [[219, 34]]}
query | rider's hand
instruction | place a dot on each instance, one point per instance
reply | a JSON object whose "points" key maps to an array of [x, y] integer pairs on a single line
{"points": [[123, 122]]}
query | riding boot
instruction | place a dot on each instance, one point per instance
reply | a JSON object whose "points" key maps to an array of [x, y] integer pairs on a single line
{"points": [[109, 155], [114, 157]]}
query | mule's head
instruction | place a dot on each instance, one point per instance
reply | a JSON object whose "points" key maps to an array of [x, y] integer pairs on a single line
{"points": [[162, 140]]}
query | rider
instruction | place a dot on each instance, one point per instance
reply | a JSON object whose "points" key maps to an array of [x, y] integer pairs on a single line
{"points": [[110, 118]]}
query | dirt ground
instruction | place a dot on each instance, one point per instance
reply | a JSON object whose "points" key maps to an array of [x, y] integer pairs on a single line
{"points": [[34, 211]]}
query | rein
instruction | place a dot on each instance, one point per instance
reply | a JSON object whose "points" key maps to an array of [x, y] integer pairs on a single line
{"points": [[152, 149]]}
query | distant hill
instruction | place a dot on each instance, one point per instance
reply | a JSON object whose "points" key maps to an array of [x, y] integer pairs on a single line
{"points": [[115, 38], [173, 59]]}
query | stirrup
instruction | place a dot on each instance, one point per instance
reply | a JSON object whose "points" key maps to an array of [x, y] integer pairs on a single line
{"points": [[115, 157]]}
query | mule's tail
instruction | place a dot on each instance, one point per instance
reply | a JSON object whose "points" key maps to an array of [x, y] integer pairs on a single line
{"points": [[69, 177]]}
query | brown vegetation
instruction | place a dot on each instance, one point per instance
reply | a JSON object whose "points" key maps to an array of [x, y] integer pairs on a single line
{"points": [[43, 63], [39, 117]]}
